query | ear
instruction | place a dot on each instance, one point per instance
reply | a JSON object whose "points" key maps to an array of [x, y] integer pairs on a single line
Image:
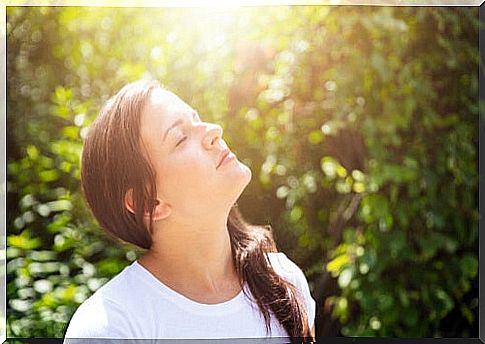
{"points": [[162, 209], [129, 201]]}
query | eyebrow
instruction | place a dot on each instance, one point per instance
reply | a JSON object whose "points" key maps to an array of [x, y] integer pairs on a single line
{"points": [[176, 123]]}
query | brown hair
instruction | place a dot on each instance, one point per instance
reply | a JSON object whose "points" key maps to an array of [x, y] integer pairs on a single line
{"points": [[112, 164]]}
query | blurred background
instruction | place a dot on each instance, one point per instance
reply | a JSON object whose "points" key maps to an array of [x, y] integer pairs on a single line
{"points": [[360, 125]]}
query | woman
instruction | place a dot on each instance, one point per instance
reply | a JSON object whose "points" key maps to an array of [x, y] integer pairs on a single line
{"points": [[156, 176]]}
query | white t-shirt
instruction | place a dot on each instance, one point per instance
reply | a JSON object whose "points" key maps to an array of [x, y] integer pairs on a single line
{"points": [[136, 305]]}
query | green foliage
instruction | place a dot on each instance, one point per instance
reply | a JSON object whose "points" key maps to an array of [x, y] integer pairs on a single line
{"points": [[357, 122]]}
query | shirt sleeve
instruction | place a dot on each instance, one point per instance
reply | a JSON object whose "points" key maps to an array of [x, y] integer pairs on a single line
{"points": [[97, 317], [295, 275]]}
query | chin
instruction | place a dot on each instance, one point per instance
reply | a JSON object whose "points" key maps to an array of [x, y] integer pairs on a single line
{"points": [[248, 174], [243, 181]]}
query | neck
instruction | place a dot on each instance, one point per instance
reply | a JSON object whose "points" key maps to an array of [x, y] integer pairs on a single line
{"points": [[197, 256]]}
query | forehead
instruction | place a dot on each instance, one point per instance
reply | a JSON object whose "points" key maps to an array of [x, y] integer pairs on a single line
{"points": [[164, 105], [161, 110]]}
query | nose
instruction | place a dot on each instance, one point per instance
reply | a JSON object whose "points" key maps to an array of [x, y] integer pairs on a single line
{"points": [[213, 134]]}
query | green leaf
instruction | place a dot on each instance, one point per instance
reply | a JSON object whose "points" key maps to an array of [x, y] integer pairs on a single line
{"points": [[469, 265], [49, 176], [24, 241], [296, 213], [337, 264], [315, 137]]}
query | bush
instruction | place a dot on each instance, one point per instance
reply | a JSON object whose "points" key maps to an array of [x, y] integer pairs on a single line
{"points": [[358, 124]]}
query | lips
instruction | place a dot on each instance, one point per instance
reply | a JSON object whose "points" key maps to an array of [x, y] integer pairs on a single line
{"points": [[224, 153]]}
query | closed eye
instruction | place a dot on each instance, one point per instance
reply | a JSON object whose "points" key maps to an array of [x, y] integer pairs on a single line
{"points": [[195, 115], [178, 143]]}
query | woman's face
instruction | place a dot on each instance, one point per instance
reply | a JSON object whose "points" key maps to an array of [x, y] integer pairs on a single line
{"points": [[185, 152]]}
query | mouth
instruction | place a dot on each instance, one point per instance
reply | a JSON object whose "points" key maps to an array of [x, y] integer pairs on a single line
{"points": [[225, 153]]}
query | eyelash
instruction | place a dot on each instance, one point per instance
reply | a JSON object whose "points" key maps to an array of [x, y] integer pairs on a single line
{"points": [[185, 137], [181, 141]]}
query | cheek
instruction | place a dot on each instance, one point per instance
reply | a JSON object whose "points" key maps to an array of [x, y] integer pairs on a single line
{"points": [[188, 174]]}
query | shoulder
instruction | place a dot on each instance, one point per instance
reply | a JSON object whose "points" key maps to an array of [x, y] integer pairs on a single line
{"points": [[95, 318], [103, 314], [285, 266], [287, 269]]}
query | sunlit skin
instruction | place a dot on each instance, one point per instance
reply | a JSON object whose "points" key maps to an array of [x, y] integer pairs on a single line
{"points": [[191, 250]]}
